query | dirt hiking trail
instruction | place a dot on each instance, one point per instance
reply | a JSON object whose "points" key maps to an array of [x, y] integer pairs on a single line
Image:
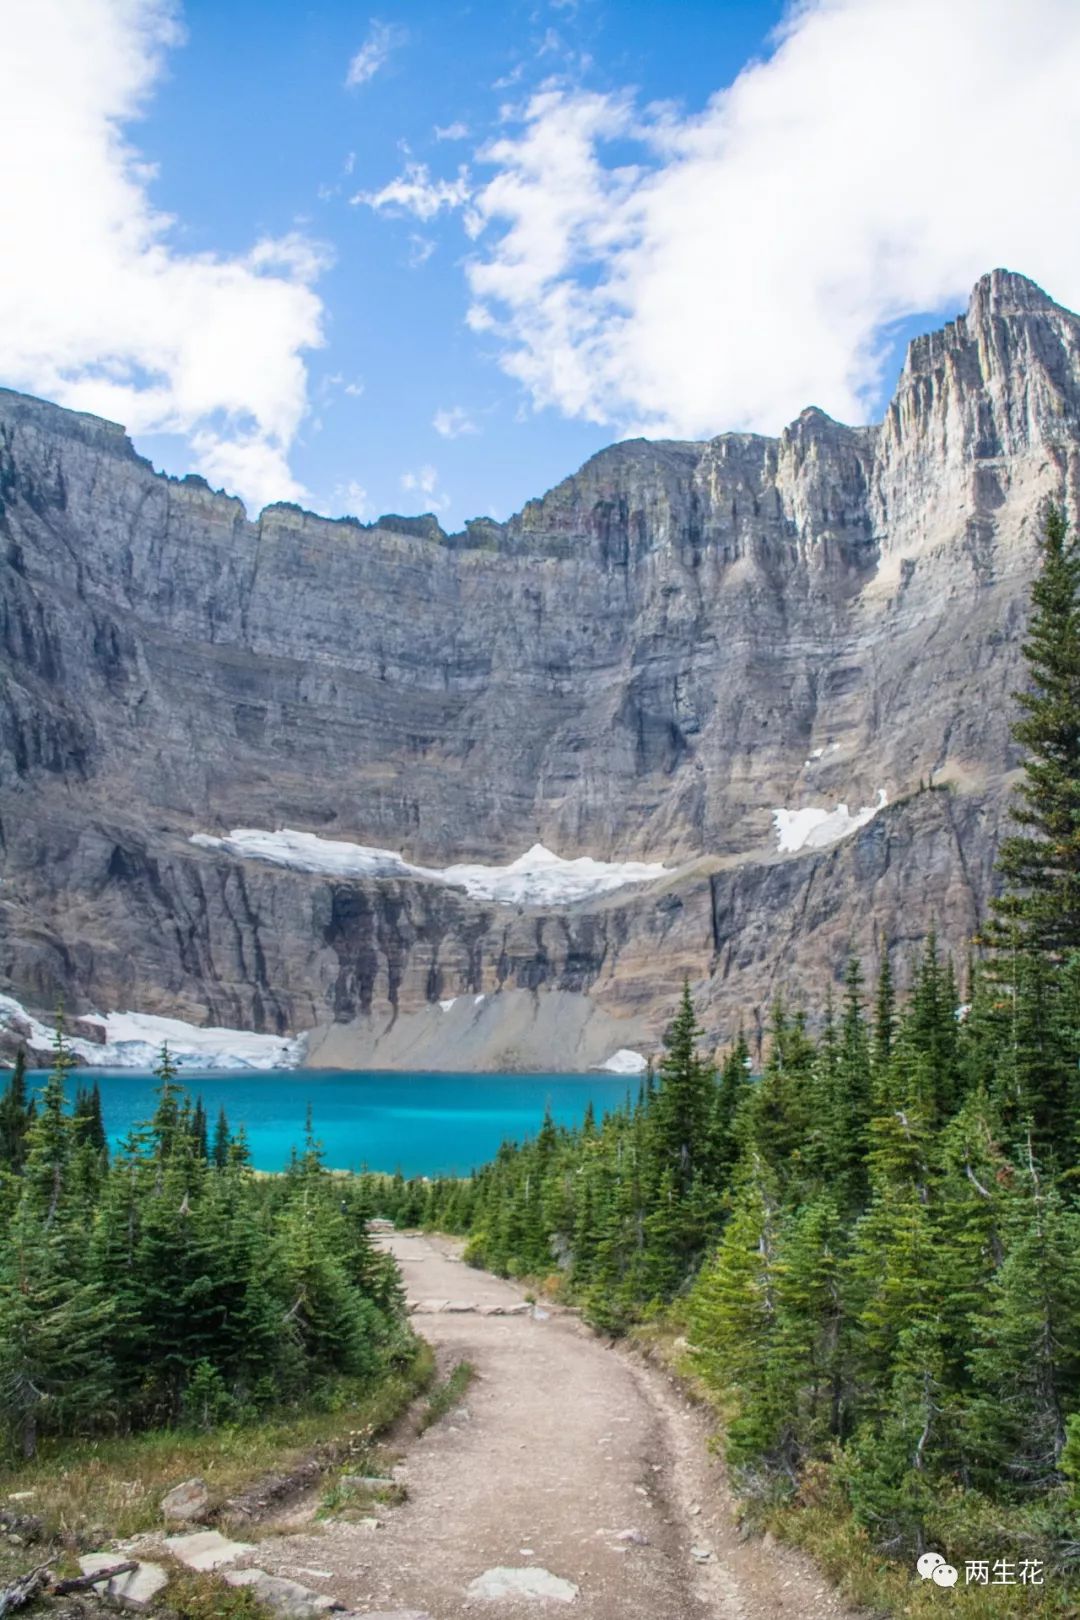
{"points": [[569, 1465]]}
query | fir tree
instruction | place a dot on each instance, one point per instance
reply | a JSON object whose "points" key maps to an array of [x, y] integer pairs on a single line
{"points": [[14, 1116], [1041, 865], [219, 1153]]}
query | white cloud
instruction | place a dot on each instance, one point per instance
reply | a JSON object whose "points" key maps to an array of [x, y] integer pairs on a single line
{"points": [[374, 52], [752, 258], [237, 463], [420, 250], [351, 500], [457, 131], [415, 192], [99, 308], [425, 482], [454, 422]]}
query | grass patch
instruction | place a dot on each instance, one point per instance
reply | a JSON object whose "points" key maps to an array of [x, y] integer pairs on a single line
{"points": [[343, 1499], [843, 1551], [208, 1597], [87, 1491], [446, 1395]]}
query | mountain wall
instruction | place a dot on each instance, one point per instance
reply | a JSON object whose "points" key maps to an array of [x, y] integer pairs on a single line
{"points": [[643, 665]]}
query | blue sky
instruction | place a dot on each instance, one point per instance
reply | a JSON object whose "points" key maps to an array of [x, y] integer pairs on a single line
{"points": [[433, 257]]}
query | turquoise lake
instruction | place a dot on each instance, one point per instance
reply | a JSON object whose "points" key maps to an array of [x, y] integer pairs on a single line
{"points": [[426, 1124]]}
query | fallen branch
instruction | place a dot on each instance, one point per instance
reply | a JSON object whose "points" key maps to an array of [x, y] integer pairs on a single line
{"points": [[81, 1583], [22, 1590]]}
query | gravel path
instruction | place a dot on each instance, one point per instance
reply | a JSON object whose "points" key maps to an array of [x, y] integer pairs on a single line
{"points": [[567, 1457]]}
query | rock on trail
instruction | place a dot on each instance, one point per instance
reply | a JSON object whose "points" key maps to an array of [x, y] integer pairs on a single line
{"points": [[571, 1488]]}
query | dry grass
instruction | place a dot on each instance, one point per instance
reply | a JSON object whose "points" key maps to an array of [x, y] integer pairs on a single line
{"points": [[112, 1487]]}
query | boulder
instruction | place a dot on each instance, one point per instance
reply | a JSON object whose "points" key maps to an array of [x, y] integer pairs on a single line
{"points": [[283, 1596], [533, 1584], [135, 1590], [206, 1549], [186, 1502]]}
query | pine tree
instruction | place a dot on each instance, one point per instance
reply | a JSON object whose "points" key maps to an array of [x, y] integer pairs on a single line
{"points": [[682, 1112], [219, 1153], [14, 1116], [884, 1016], [1041, 865]]}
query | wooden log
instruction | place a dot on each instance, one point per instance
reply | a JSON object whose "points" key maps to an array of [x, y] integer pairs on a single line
{"points": [[81, 1583]]}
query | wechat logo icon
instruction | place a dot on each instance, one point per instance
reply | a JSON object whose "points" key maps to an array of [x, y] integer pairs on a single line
{"points": [[932, 1567]]}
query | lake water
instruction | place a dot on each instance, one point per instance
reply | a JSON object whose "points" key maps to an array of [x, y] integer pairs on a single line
{"points": [[426, 1124]]}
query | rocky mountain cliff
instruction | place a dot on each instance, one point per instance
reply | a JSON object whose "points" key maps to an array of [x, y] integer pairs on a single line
{"points": [[646, 664]]}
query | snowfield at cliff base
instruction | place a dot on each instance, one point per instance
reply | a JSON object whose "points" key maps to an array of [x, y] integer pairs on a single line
{"points": [[134, 1041]]}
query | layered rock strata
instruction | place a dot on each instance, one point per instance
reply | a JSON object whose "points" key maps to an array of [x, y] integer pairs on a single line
{"points": [[644, 665]]}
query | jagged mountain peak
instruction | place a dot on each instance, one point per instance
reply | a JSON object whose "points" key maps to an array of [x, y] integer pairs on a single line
{"points": [[1007, 292]]}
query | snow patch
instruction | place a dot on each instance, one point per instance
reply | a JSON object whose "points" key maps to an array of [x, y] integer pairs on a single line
{"points": [[625, 1061], [134, 1040], [446, 1005], [816, 827], [538, 877]]}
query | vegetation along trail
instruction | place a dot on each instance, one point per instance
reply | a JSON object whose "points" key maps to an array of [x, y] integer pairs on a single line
{"points": [[565, 1459]]}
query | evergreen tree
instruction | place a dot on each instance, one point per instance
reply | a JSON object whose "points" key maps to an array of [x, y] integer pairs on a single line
{"points": [[1041, 865], [14, 1116], [219, 1153]]}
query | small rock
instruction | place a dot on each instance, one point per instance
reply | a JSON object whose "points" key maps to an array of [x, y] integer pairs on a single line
{"points": [[135, 1590], [19, 1496], [368, 1524], [694, 1509], [366, 1482], [283, 1596], [531, 1583], [459, 1307], [701, 1554], [393, 1614], [638, 1537], [186, 1502], [206, 1549]]}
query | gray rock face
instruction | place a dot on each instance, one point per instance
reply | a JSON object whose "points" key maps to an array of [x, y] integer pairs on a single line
{"points": [[645, 663]]}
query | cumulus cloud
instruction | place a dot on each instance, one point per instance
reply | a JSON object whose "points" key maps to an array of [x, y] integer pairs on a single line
{"points": [[99, 308], [425, 482], [454, 422], [383, 38], [415, 192], [753, 258], [457, 131]]}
